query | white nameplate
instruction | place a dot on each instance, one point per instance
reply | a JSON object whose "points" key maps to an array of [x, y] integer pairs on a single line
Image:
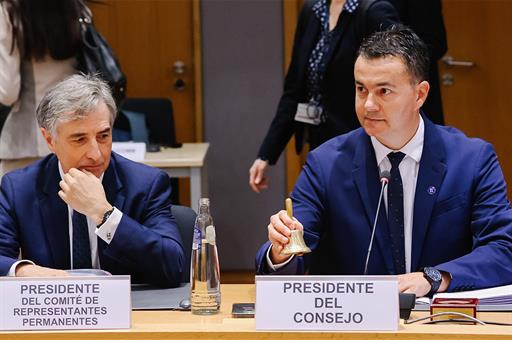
{"points": [[133, 151], [327, 303], [65, 303]]}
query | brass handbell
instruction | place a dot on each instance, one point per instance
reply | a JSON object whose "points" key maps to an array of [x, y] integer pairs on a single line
{"points": [[296, 245]]}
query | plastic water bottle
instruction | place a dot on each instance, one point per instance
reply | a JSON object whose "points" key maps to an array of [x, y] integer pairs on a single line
{"points": [[204, 271]]}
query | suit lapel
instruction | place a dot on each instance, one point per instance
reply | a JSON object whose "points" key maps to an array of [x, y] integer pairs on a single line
{"points": [[54, 213], [113, 185], [366, 177], [431, 174], [312, 30], [338, 32], [115, 196]]}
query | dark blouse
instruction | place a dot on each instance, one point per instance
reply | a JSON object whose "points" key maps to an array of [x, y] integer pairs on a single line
{"points": [[335, 85]]}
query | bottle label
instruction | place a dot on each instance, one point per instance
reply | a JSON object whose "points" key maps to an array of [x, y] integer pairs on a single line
{"points": [[196, 243], [210, 235], [204, 300]]}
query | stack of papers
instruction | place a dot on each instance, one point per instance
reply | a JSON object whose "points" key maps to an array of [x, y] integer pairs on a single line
{"points": [[490, 296], [490, 299]]}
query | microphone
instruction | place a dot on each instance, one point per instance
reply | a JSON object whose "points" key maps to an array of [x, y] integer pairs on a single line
{"points": [[384, 180]]}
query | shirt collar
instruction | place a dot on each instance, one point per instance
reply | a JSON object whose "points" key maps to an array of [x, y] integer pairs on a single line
{"points": [[413, 149]]}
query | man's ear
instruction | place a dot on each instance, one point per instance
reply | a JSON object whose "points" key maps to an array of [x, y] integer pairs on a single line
{"points": [[49, 139], [422, 93]]}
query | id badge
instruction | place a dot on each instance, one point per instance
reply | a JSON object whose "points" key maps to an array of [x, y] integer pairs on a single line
{"points": [[309, 113]]}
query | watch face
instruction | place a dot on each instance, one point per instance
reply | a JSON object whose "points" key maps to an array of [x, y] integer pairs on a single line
{"points": [[433, 274]]}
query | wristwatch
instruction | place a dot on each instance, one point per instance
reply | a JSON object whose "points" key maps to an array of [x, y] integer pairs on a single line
{"points": [[106, 215], [434, 277]]}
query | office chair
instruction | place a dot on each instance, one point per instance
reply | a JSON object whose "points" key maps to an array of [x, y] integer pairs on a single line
{"points": [[159, 119], [160, 125], [185, 218]]}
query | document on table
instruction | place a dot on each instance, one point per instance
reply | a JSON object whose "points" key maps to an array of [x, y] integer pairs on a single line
{"points": [[497, 298], [146, 297]]}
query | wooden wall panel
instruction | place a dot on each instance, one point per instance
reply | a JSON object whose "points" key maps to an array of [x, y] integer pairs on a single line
{"points": [[148, 37]]}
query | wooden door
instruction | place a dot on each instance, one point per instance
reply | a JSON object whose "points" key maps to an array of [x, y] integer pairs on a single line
{"points": [[477, 101], [149, 37]]}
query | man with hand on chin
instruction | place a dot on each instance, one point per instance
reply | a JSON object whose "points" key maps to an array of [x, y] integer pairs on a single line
{"points": [[445, 223], [85, 206]]}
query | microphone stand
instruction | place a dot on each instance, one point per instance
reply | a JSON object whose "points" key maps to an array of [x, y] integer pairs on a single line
{"points": [[384, 179]]}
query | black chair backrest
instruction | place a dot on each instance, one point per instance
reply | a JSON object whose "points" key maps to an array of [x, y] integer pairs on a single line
{"points": [[185, 218], [159, 118]]}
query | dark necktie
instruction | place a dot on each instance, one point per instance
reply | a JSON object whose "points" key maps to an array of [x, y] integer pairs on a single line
{"points": [[396, 212], [81, 246]]}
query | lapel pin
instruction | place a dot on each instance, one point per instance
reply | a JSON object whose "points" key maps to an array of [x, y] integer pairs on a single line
{"points": [[431, 190]]}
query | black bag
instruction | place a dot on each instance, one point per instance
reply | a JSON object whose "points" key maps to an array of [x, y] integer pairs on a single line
{"points": [[4, 112], [96, 57]]}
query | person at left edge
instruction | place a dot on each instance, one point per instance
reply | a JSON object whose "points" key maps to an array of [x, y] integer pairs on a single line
{"points": [[127, 205]]}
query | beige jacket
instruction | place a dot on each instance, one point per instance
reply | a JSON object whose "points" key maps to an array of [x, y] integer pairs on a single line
{"points": [[23, 84]]}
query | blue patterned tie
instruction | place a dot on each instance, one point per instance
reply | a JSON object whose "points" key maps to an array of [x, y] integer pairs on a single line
{"points": [[81, 245], [396, 212]]}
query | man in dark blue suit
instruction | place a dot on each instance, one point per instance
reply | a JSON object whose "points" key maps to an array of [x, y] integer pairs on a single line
{"points": [[84, 206], [445, 222]]}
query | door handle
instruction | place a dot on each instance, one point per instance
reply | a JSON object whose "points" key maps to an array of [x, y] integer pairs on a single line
{"points": [[179, 67], [450, 61], [179, 84]]}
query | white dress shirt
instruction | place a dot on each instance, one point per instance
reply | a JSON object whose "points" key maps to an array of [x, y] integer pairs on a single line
{"points": [[105, 232], [409, 168]]}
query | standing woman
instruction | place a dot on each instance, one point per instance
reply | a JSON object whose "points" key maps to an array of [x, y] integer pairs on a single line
{"points": [[38, 44], [318, 98]]}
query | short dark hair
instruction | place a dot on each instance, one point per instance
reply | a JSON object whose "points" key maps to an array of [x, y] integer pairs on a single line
{"points": [[398, 41]]}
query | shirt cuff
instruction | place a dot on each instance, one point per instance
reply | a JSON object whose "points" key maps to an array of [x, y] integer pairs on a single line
{"points": [[108, 229], [12, 270], [275, 267]]}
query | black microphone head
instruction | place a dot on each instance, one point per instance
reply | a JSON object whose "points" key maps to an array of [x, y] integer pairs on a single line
{"points": [[385, 175]]}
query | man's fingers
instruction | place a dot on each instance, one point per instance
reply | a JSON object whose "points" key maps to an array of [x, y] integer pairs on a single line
{"points": [[63, 196], [291, 223], [64, 186], [296, 224], [58, 272], [31, 270], [275, 236], [75, 172], [89, 174], [282, 216], [281, 222], [68, 178]]}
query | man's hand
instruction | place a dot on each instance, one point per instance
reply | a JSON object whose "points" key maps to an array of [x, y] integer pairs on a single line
{"points": [[84, 193], [414, 283], [279, 233], [417, 284], [257, 178], [32, 270]]}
